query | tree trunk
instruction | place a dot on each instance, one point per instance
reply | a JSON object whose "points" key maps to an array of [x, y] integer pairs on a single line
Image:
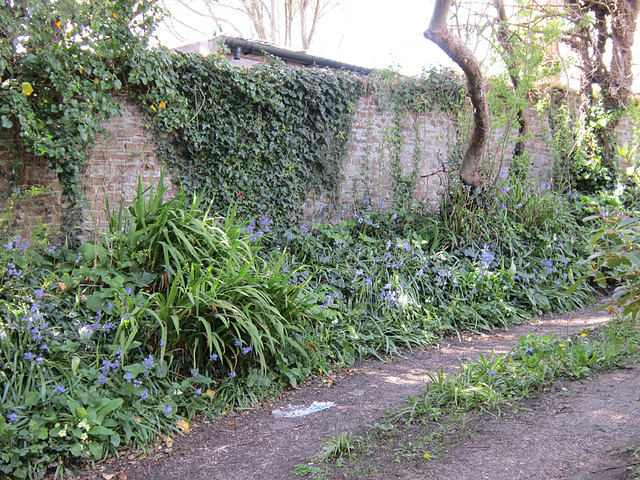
{"points": [[439, 33]]}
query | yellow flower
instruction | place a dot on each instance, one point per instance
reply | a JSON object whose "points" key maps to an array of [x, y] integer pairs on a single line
{"points": [[115, 15], [153, 108], [162, 104], [561, 345], [27, 88], [427, 456], [58, 24], [583, 335]]}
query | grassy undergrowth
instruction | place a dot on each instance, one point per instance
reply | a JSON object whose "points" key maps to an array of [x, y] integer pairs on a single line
{"points": [[479, 386], [178, 312]]}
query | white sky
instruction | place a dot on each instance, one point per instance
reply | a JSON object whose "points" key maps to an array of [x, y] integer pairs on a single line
{"points": [[367, 33]]}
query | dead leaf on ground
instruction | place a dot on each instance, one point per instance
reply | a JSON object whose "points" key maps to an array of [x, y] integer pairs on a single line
{"points": [[184, 426]]}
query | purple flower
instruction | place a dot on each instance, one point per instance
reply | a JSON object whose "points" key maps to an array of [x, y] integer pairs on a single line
{"points": [[127, 291], [167, 410], [148, 363], [198, 392], [102, 379], [246, 350], [232, 374], [213, 357], [238, 343], [144, 395], [128, 377], [12, 418], [59, 390], [29, 356]]}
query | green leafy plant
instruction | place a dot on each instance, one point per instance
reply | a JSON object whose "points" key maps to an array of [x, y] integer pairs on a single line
{"points": [[340, 445], [616, 259]]}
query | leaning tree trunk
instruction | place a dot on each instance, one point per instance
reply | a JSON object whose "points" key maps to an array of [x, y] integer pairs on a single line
{"points": [[439, 33]]}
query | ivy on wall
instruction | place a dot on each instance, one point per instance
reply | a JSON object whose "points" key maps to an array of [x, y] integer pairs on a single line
{"points": [[407, 98], [259, 138]]}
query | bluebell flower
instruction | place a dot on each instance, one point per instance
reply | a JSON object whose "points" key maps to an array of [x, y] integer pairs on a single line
{"points": [[144, 395], [238, 342], [148, 362], [167, 410], [128, 377], [29, 356], [12, 418], [213, 357], [102, 379], [246, 350], [232, 374], [491, 372], [59, 390]]}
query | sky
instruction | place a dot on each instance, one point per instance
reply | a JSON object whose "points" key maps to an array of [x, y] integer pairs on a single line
{"points": [[367, 33]]}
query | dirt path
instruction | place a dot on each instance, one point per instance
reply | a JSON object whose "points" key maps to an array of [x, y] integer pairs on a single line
{"points": [[565, 436]]}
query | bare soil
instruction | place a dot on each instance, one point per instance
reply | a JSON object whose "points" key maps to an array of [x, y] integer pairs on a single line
{"points": [[574, 430]]}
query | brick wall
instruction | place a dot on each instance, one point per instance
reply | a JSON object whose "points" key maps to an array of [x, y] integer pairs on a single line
{"points": [[115, 162], [25, 214], [126, 151]]}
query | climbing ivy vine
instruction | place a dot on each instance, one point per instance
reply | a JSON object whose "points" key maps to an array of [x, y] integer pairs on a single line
{"points": [[60, 63], [259, 138]]}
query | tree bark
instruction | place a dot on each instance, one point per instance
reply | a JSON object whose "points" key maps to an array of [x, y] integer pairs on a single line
{"points": [[439, 33]]}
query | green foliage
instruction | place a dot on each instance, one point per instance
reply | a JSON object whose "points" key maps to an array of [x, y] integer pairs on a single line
{"points": [[179, 311], [594, 165], [260, 139], [616, 258], [212, 295], [433, 90], [60, 62], [103, 346], [340, 445], [403, 277], [486, 384]]}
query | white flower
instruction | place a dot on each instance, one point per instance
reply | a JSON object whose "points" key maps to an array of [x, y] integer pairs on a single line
{"points": [[335, 322]]}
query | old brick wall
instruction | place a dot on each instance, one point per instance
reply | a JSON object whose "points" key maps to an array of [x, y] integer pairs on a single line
{"points": [[26, 212], [115, 162], [367, 170], [126, 151]]}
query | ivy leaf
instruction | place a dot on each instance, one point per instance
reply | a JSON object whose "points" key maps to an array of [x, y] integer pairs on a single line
{"points": [[27, 88], [6, 123]]}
